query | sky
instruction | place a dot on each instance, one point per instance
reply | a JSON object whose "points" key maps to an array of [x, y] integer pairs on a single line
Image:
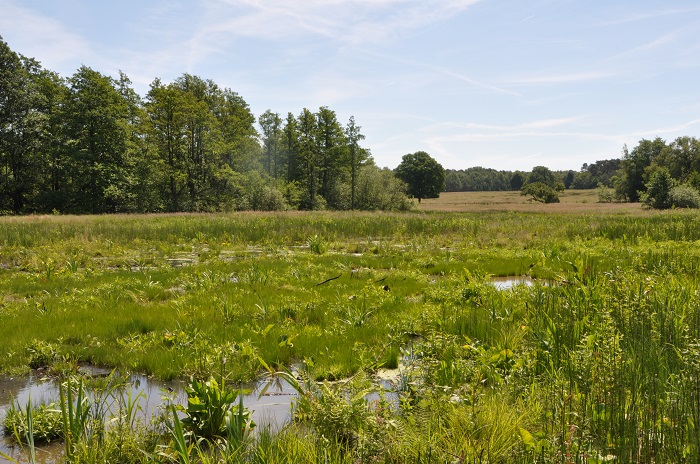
{"points": [[503, 84]]}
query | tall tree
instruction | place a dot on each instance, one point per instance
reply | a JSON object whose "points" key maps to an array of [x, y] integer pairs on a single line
{"points": [[542, 174], [332, 153], [634, 167], [682, 158], [21, 128], [239, 134], [308, 157], [201, 102], [271, 132], [54, 176], [238, 153], [166, 135], [96, 122], [291, 147], [424, 176], [357, 156], [517, 180]]}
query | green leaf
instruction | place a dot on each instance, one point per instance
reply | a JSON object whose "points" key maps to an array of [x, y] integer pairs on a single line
{"points": [[528, 440]]}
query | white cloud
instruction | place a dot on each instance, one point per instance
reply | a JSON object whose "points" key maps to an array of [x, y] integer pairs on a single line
{"points": [[35, 35], [650, 15], [678, 130], [545, 79], [345, 21]]}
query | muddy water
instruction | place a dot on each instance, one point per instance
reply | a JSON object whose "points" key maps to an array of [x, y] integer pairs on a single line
{"points": [[272, 408]]}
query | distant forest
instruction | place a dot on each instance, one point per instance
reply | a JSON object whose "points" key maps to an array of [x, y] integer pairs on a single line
{"points": [[483, 179], [669, 168], [90, 144]]}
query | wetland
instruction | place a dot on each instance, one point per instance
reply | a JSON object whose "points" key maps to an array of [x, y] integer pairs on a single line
{"points": [[509, 336]]}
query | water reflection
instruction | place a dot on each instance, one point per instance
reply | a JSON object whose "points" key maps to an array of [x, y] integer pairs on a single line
{"points": [[151, 396], [508, 282]]}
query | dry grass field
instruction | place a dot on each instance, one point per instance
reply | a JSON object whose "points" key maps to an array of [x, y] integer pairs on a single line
{"points": [[571, 201]]}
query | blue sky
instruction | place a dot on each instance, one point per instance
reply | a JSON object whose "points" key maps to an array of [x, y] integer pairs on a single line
{"points": [[504, 84]]}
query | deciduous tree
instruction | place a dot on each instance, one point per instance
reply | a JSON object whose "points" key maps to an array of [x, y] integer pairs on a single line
{"points": [[96, 119], [424, 176], [22, 128]]}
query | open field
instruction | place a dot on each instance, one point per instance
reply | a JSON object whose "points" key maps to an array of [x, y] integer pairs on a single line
{"points": [[571, 201], [597, 360]]}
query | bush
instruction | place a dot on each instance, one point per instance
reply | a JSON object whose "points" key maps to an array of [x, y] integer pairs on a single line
{"points": [[541, 192], [605, 194], [658, 189], [379, 190], [46, 421], [684, 196], [41, 354], [211, 411]]}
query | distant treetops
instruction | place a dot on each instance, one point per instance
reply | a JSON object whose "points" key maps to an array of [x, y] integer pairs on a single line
{"points": [[656, 173]]}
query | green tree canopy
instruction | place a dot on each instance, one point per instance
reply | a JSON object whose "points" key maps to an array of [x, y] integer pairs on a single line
{"points": [[540, 192], [658, 190], [634, 167], [424, 176], [23, 122], [542, 174]]}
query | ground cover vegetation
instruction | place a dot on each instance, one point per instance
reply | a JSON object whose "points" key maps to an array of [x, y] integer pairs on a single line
{"points": [[599, 360]]}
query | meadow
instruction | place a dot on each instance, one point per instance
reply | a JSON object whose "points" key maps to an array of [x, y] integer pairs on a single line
{"points": [[597, 360]]}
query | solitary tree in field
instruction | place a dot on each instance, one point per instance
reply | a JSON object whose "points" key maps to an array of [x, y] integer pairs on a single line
{"points": [[424, 176], [540, 192]]}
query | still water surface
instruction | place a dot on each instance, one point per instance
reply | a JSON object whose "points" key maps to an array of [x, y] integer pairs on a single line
{"points": [[273, 408]]}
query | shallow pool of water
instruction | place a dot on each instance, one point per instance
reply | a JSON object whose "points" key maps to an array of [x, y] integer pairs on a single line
{"points": [[273, 407], [508, 282]]}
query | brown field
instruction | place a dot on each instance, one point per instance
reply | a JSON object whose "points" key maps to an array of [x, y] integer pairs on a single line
{"points": [[571, 201]]}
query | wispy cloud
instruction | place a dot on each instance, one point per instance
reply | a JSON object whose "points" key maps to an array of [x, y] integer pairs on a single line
{"points": [[36, 35], [499, 130], [675, 130], [546, 79], [345, 21], [650, 15], [440, 70], [647, 49]]}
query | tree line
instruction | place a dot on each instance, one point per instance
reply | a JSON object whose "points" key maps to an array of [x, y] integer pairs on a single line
{"points": [[657, 173], [480, 179], [661, 174], [90, 144]]}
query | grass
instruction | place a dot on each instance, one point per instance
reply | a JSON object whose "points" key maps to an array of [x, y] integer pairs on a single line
{"points": [[599, 360], [571, 201]]}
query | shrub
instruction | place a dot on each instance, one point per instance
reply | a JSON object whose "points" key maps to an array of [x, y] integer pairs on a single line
{"points": [[658, 189], [379, 190], [317, 244], [605, 194], [46, 423], [684, 196], [41, 354], [541, 192]]}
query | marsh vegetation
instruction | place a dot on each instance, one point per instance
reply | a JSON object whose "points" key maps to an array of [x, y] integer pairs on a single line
{"points": [[597, 360]]}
